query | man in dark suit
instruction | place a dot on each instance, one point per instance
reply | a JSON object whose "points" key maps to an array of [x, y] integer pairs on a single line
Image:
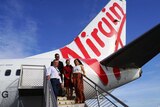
{"points": [[60, 66]]}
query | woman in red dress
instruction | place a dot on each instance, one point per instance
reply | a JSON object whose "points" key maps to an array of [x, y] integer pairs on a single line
{"points": [[67, 79]]}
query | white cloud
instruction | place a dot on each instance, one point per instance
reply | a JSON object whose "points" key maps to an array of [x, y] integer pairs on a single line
{"points": [[18, 32]]}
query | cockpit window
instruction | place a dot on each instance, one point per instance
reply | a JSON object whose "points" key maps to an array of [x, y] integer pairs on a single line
{"points": [[18, 72], [8, 72]]}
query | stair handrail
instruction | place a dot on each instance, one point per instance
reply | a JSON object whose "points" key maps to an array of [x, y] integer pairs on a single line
{"points": [[99, 93], [48, 87], [96, 85]]}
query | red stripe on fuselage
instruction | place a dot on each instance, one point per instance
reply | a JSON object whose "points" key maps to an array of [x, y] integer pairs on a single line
{"points": [[117, 73], [95, 65], [81, 47]]}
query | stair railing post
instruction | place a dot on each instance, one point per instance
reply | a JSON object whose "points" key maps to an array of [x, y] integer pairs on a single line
{"points": [[96, 88]]}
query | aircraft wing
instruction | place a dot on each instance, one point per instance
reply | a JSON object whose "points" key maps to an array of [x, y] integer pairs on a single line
{"points": [[138, 52]]}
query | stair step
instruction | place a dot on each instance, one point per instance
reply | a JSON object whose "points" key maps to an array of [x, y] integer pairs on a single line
{"points": [[72, 105], [65, 98], [66, 102], [62, 98]]}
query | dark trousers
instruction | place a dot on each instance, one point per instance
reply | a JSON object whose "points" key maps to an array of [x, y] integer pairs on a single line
{"points": [[56, 86]]}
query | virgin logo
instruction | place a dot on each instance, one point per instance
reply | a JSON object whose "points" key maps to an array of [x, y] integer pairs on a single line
{"points": [[118, 12]]}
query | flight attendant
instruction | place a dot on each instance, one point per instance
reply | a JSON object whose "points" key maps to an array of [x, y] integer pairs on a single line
{"points": [[67, 79]]}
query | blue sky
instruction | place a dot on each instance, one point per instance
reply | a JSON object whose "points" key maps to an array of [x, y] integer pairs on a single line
{"points": [[29, 27]]}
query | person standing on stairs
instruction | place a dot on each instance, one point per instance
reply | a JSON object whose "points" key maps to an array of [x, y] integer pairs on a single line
{"points": [[67, 70], [78, 73], [53, 76], [60, 66]]}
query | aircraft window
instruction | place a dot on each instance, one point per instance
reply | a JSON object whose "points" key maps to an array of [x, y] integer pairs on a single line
{"points": [[8, 72], [18, 72]]}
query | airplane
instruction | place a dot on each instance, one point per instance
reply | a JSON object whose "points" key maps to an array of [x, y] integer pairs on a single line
{"points": [[101, 47]]}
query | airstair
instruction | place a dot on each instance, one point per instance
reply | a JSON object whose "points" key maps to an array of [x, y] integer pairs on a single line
{"points": [[98, 97], [35, 91]]}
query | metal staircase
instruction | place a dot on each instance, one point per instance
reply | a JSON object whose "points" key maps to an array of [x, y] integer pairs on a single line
{"points": [[31, 86], [96, 97], [99, 97], [63, 102], [35, 91], [50, 100]]}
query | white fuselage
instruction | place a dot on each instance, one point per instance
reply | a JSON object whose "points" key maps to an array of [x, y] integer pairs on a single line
{"points": [[9, 81]]}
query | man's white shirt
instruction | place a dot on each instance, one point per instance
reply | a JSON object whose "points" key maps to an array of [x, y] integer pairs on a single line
{"points": [[53, 73]]}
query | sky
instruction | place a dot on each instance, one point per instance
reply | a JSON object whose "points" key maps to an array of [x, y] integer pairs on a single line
{"points": [[30, 27]]}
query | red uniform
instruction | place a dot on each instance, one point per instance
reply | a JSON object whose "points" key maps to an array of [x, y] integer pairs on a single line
{"points": [[67, 75]]}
